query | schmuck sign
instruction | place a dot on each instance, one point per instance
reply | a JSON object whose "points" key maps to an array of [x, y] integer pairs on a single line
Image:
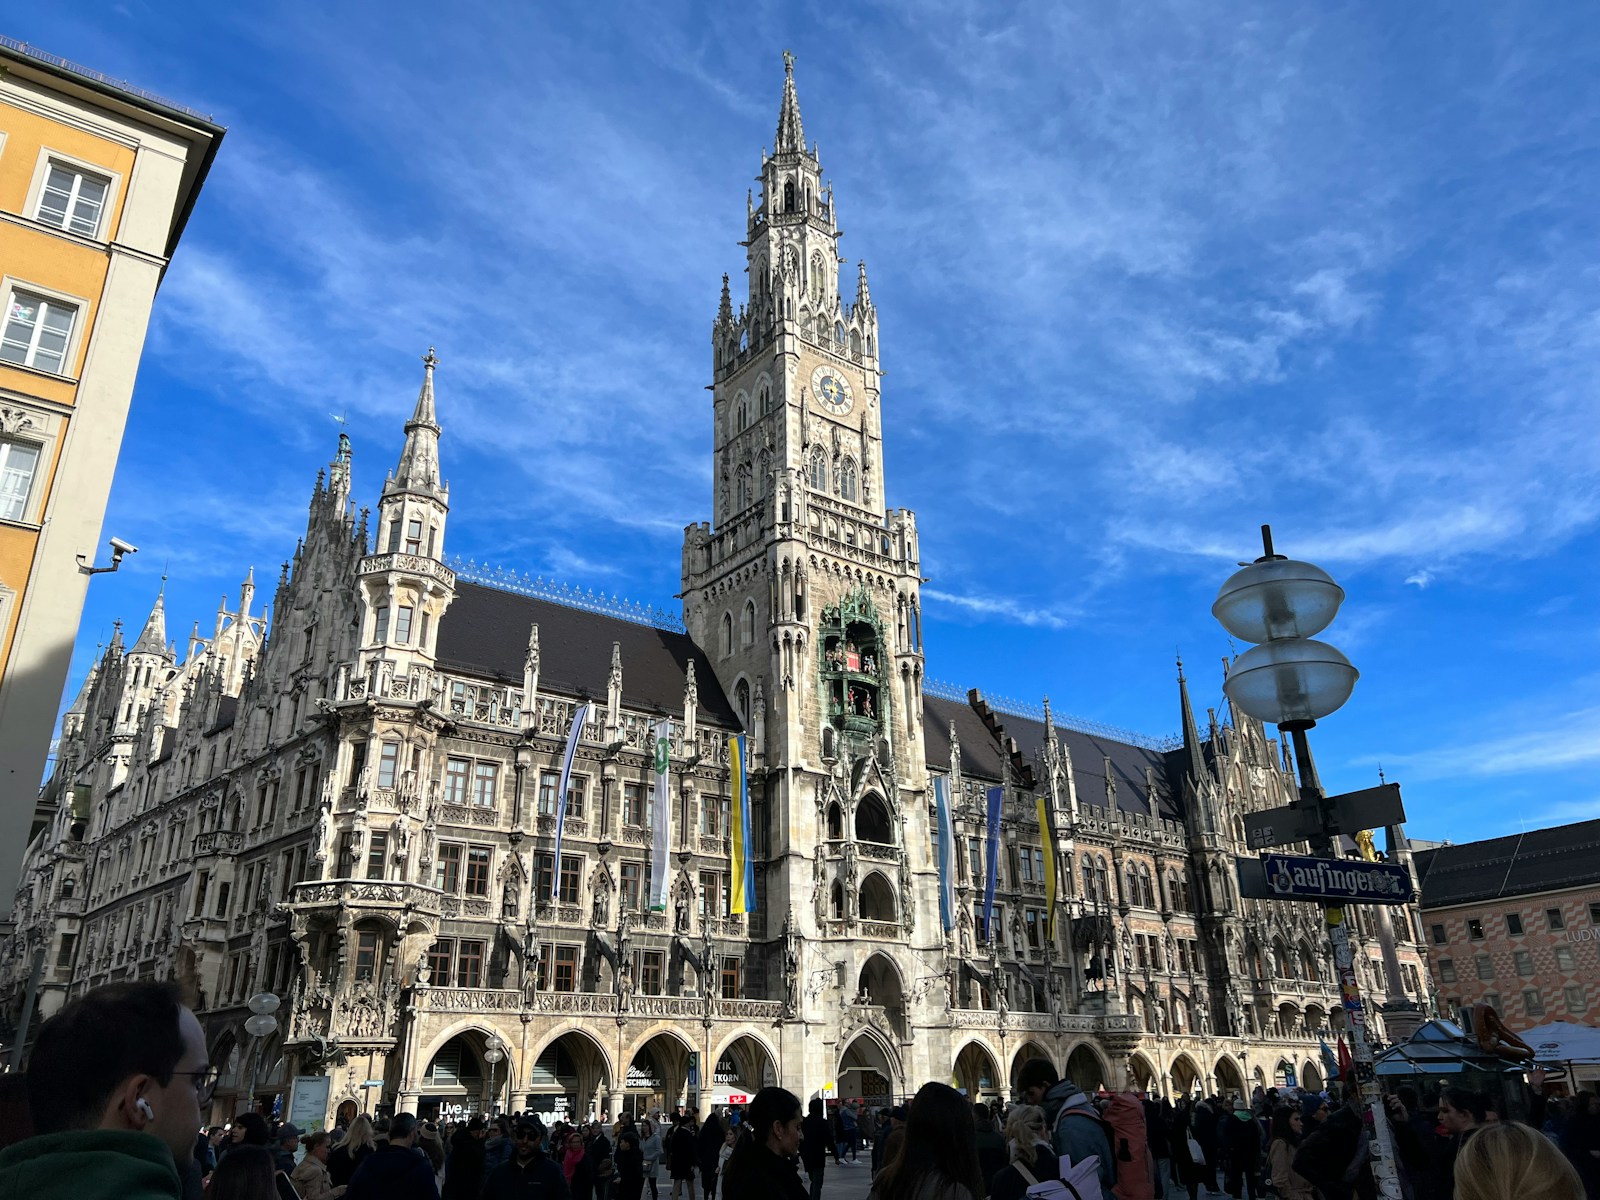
{"points": [[1289, 877]]}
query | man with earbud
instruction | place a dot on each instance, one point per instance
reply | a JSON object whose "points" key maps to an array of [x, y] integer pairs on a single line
{"points": [[116, 1082]]}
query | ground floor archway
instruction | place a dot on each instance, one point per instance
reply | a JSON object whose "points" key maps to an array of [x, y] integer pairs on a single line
{"points": [[976, 1073], [1027, 1052], [1185, 1076], [567, 1076], [1141, 1075], [1230, 1077], [743, 1067], [868, 1071], [1088, 1069]]}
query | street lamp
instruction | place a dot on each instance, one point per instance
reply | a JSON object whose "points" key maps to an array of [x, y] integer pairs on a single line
{"points": [[259, 1025], [1292, 681], [493, 1055]]}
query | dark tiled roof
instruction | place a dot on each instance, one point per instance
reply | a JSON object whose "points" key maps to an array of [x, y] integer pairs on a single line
{"points": [[485, 632], [227, 713], [980, 756], [1519, 864]]}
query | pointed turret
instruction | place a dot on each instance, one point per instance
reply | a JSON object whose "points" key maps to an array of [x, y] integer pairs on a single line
{"points": [[339, 474], [1195, 758], [418, 469], [791, 137], [725, 308], [153, 639], [863, 293]]}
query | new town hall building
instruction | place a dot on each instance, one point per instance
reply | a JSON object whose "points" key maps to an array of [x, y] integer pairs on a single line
{"points": [[353, 808]]}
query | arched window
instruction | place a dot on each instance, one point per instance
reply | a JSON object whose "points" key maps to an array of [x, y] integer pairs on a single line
{"points": [[838, 334], [1102, 880], [817, 470], [741, 701], [855, 345], [1088, 880], [727, 634], [819, 279], [1147, 891], [764, 400], [872, 821], [741, 414], [847, 478], [747, 623], [764, 480], [788, 195], [741, 489], [835, 822], [1132, 894], [837, 903], [744, 340]]}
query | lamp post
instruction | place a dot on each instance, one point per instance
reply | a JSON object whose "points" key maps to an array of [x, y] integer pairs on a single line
{"points": [[1292, 681], [493, 1055], [260, 1023]]}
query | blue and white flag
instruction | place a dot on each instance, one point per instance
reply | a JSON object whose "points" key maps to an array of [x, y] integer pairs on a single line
{"points": [[660, 815], [991, 860], [579, 720], [947, 853]]}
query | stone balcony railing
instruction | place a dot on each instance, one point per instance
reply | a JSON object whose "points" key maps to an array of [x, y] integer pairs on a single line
{"points": [[412, 564], [367, 893], [218, 841]]}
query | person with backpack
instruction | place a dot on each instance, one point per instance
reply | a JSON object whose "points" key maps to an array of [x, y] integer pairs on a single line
{"points": [[1076, 1130], [1123, 1113], [1032, 1159]]}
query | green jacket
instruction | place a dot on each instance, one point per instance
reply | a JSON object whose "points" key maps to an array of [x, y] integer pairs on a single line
{"points": [[89, 1164]]}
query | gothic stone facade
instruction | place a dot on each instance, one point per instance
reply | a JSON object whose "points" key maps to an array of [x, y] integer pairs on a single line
{"points": [[355, 810]]}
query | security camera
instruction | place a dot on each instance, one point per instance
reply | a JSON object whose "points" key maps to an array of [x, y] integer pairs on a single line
{"points": [[118, 549]]}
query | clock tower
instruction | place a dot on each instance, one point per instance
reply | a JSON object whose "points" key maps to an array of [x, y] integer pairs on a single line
{"points": [[803, 590]]}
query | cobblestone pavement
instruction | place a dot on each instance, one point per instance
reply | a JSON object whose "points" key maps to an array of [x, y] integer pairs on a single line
{"points": [[847, 1180]]}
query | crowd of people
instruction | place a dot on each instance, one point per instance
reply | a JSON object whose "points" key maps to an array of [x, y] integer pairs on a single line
{"points": [[117, 1079]]}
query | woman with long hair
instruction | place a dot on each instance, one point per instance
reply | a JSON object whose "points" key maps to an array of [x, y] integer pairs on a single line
{"points": [[348, 1154], [938, 1157], [1287, 1126], [1507, 1161], [1031, 1157], [246, 1172], [765, 1164]]}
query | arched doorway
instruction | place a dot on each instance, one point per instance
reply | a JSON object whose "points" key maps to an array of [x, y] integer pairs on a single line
{"points": [[1230, 1079], [1141, 1075], [977, 1075], [1285, 1075], [1310, 1077], [658, 1076], [880, 985], [567, 1077], [1185, 1076], [743, 1068], [866, 1072], [456, 1083], [1088, 1070]]}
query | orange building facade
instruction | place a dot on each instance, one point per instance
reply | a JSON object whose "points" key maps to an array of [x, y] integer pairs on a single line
{"points": [[97, 180]]}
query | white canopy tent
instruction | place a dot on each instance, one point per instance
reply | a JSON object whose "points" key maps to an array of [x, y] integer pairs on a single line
{"points": [[1563, 1042]]}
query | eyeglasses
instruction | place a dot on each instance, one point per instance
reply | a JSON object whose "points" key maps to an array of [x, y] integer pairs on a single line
{"points": [[205, 1082], [525, 1135]]}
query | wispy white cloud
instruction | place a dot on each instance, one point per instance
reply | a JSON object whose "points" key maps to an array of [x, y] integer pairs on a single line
{"points": [[1566, 740], [1003, 608]]}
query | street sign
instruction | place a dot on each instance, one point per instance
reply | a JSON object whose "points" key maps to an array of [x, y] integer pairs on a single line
{"points": [[372, 1083], [1281, 826], [1348, 813], [1290, 877], [1370, 808]]}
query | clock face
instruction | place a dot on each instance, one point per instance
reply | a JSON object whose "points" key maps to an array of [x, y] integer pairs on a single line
{"points": [[832, 390]]}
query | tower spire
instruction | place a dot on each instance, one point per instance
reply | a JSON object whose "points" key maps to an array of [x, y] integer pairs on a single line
{"points": [[1191, 731], [153, 639], [419, 461], [791, 137]]}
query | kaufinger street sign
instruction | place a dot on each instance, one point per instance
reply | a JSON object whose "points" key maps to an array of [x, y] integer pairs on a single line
{"points": [[1290, 877]]}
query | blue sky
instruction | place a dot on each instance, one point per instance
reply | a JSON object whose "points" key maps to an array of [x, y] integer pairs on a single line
{"points": [[1147, 276]]}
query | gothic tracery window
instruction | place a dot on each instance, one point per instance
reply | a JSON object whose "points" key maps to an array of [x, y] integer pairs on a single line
{"points": [[817, 470], [847, 478]]}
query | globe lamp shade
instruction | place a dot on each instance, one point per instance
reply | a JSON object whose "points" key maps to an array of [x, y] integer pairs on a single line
{"points": [[493, 1056], [260, 1025], [263, 1003], [1290, 682], [1277, 598]]}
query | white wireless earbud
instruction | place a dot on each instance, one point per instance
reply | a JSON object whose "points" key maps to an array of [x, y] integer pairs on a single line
{"points": [[143, 1106]]}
